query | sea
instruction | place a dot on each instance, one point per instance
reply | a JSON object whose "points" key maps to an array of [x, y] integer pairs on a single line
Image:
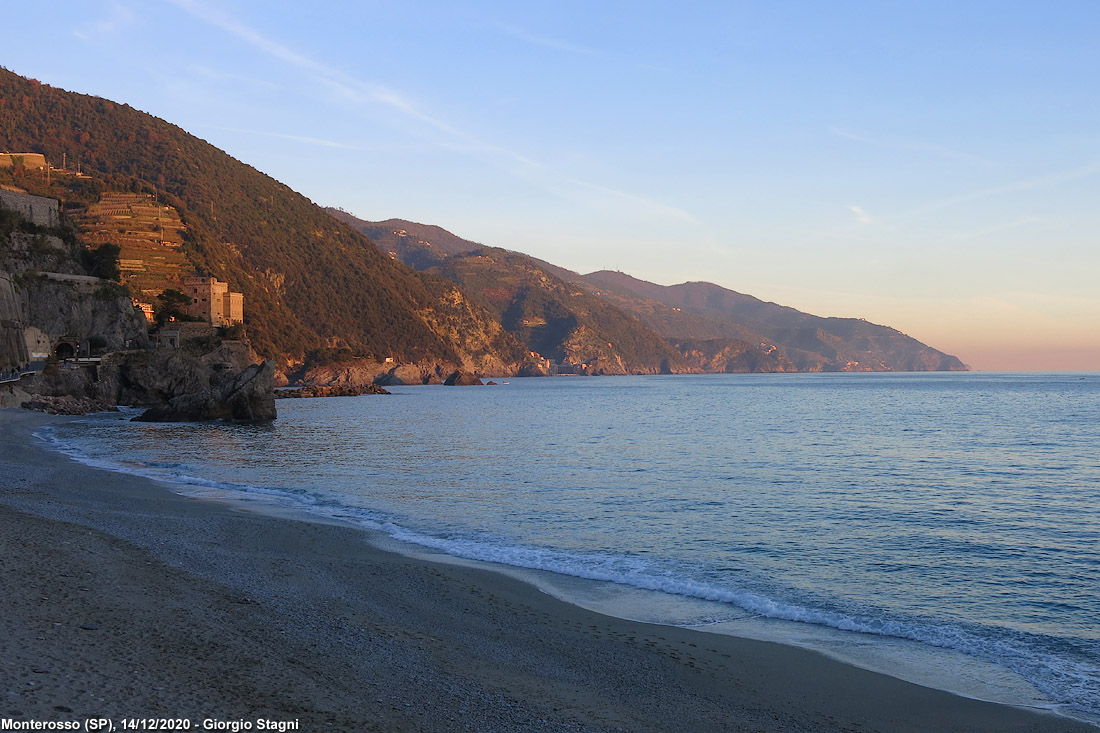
{"points": [[943, 528]]}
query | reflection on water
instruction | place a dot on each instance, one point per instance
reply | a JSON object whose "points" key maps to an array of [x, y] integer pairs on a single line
{"points": [[956, 510]]}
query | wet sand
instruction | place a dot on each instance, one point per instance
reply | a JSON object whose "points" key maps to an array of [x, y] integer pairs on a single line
{"points": [[124, 600]]}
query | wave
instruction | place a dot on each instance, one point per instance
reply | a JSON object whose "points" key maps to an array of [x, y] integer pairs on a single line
{"points": [[1058, 668], [1052, 670]]}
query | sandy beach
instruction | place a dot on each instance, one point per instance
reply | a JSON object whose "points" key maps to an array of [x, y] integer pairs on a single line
{"points": [[123, 600]]}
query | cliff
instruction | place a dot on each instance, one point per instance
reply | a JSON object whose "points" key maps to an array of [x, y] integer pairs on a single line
{"points": [[14, 354], [97, 315], [732, 356]]}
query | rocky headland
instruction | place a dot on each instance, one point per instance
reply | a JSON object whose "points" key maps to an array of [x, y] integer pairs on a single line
{"points": [[247, 396], [74, 343]]}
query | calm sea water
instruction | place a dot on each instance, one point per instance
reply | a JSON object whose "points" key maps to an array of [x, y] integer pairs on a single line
{"points": [[942, 527]]}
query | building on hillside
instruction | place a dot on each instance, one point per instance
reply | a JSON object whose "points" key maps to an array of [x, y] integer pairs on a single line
{"points": [[168, 338], [26, 161], [212, 301], [233, 308], [146, 310]]}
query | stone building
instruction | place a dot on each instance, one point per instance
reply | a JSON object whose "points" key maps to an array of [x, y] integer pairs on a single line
{"points": [[212, 301]]}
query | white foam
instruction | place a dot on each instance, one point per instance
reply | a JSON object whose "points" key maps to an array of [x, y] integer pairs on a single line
{"points": [[1029, 669]]}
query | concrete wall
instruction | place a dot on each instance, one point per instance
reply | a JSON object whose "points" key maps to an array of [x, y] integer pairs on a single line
{"points": [[38, 209], [39, 347], [13, 344], [30, 161]]}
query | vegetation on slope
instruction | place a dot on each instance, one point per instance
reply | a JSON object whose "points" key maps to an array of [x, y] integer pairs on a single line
{"points": [[811, 342], [563, 322], [558, 320], [315, 286], [420, 246], [309, 281]]}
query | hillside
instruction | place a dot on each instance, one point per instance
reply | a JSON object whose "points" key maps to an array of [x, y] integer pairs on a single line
{"points": [[560, 321], [312, 285], [149, 236], [317, 289], [419, 246], [710, 328], [812, 343], [564, 323]]}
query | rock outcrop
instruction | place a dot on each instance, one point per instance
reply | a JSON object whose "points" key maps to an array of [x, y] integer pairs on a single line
{"points": [[363, 372], [533, 369], [732, 356], [66, 405], [462, 379], [141, 378], [14, 355], [94, 312], [248, 396], [345, 391], [146, 378]]}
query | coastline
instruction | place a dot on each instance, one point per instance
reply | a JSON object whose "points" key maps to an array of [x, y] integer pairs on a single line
{"points": [[126, 600]]}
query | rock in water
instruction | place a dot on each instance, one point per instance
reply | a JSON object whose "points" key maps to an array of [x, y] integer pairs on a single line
{"points": [[248, 396], [336, 391], [462, 379], [67, 405]]}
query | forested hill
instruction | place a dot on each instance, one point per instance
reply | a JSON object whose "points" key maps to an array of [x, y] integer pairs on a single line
{"points": [[812, 343], [712, 328], [310, 282], [552, 313], [419, 246]]}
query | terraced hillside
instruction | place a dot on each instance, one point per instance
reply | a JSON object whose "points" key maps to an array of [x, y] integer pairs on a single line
{"points": [[149, 234]]}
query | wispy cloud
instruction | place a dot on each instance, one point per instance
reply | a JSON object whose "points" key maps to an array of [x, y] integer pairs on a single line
{"points": [[441, 133], [120, 17], [285, 136], [918, 146], [861, 216], [345, 84], [640, 203], [1047, 181], [545, 42], [223, 76]]}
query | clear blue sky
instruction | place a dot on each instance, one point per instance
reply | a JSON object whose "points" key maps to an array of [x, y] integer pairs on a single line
{"points": [[933, 166]]}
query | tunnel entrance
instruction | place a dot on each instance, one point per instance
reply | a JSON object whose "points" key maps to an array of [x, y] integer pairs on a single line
{"points": [[65, 350]]}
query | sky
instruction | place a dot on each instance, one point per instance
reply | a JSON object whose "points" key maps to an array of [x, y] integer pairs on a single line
{"points": [[930, 166]]}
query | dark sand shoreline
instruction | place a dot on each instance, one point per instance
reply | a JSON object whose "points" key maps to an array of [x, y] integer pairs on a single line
{"points": [[122, 599]]}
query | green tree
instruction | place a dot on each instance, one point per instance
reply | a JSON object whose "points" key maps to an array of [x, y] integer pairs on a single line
{"points": [[171, 305], [102, 261]]}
